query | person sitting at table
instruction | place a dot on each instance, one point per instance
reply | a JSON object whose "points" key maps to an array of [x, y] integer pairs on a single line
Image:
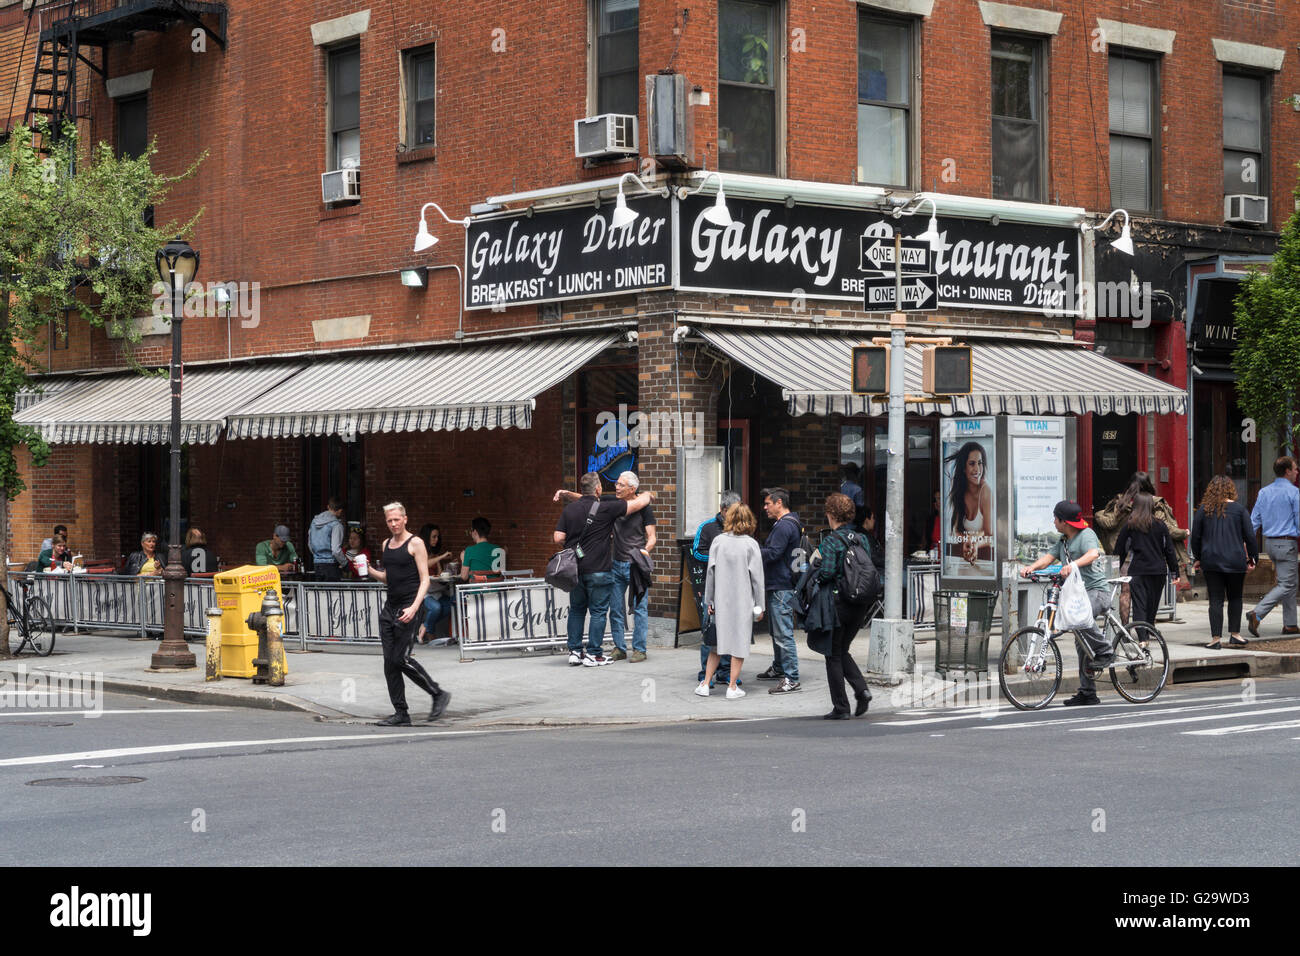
{"points": [[437, 603], [146, 560], [357, 549], [277, 550], [48, 543], [482, 560], [198, 558], [56, 557]]}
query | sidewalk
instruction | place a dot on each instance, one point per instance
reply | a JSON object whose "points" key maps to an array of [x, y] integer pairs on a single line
{"points": [[502, 689]]}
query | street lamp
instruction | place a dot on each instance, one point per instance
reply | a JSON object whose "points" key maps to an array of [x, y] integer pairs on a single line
{"points": [[622, 215], [424, 239], [177, 265], [718, 213], [1124, 243]]}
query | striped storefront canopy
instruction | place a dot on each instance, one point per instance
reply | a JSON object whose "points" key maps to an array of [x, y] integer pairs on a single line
{"points": [[39, 390], [814, 370], [454, 387], [136, 409]]}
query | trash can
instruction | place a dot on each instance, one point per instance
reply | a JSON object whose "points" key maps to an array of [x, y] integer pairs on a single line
{"points": [[962, 621], [239, 593]]}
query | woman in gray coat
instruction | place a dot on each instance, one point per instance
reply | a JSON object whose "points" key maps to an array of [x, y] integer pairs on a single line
{"points": [[733, 591]]}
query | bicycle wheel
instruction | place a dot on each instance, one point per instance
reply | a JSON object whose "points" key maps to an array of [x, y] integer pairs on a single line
{"points": [[40, 626], [1145, 678], [15, 629], [1029, 669]]}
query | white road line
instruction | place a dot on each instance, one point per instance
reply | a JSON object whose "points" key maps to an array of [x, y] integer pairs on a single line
{"points": [[1005, 710], [1246, 729], [231, 744], [143, 710], [1145, 715], [1186, 720]]}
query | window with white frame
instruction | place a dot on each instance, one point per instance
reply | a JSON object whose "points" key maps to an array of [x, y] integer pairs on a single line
{"points": [[617, 62], [345, 108], [1134, 125], [884, 100], [1019, 161], [421, 89], [749, 58], [1245, 137]]}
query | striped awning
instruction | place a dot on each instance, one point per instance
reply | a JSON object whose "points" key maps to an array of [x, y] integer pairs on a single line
{"points": [[814, 370], [38, 390], [136, 409], [451, 387]]}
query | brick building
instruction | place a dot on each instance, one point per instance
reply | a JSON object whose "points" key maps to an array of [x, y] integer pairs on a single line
{"points": [[1019, 127]]}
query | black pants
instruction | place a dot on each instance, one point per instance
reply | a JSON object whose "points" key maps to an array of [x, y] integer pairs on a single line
{"points": [[397, 639], [1221, 583], [840, 665], [1145, 591], [328, 571]]}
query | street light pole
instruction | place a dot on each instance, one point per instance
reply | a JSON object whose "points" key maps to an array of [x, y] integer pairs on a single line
{"points": [[177, 265]]}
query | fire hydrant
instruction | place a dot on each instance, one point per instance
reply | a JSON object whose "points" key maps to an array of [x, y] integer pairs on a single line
{"points": [[270, 648]]}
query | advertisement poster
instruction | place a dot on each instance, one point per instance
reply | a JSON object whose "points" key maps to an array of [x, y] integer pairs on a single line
{"points": [[1038, 470], [969, 499]]}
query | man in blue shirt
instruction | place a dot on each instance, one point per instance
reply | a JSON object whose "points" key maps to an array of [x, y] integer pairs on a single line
{"points": [[778, 552], [1277, 514]]}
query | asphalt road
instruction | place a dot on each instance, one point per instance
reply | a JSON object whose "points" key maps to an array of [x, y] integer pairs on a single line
{"points": [[1204, 776]]}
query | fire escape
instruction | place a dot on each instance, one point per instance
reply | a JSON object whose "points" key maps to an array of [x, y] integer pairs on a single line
{"points": [[70, 29]]}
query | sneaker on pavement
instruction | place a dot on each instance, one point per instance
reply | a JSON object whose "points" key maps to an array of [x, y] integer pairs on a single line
{"points": [[395, 720], [1082, 699], [575, 658], [787, 686], [440, 703], [771, 674], [734, 693], [702, 690], [637, 657], [618, 655], [594, 660]]}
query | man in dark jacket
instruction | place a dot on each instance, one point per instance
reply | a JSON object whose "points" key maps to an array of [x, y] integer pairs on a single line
{"points": [[778, 553], [698, 565]]}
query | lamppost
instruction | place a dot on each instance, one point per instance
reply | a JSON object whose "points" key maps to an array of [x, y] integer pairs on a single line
{"points": [[177, 265]]}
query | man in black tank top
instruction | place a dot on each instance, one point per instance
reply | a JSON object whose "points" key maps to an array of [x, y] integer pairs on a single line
{"points": [[406, 572]]}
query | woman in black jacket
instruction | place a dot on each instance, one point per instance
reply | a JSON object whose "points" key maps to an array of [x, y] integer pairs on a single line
{"points": [[1148, 541], [1223, 542]]}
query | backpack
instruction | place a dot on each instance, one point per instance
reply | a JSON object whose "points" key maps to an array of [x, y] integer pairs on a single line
{"points": [[562, 569], [858, 582]]}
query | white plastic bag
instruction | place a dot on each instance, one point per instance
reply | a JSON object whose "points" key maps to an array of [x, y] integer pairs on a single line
{"points": [[1074, 609]]}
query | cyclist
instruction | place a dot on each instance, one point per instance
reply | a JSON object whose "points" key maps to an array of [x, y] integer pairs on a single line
{"points": [[1079, 547]]}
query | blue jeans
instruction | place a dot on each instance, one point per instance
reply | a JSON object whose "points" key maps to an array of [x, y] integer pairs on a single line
{"points": [[780, 624], [436, 607], [590, 596], [618, 610]]}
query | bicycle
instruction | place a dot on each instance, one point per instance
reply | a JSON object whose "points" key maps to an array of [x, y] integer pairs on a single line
{"points": [[1029, 670], [32, 627]]}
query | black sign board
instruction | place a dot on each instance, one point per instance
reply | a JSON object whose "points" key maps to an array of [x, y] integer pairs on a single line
{"points": [[815, 250], [878, 256], [1214, 321], [919, 294], [571, 253]]}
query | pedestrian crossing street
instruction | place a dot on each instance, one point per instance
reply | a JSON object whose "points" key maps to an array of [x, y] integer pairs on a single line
{"points": [[1189, 714]]}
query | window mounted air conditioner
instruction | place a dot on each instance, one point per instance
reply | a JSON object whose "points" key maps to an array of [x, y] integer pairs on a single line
{"points": [[609, 134], [1244, 208], [340, 185]]}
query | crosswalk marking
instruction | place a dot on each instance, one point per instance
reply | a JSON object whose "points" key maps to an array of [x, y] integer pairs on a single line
{"points": [[1127, 711], [48, 712], [1144, 718], [1182, 720], [1245, 729]]}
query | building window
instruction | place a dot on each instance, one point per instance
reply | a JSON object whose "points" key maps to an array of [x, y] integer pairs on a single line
{"points": [[1018, 153], [1245, 145], [345, 108], [747, 68], [618, 67], [421, 89], [132, 126], [884, 101], [1134, 105]]}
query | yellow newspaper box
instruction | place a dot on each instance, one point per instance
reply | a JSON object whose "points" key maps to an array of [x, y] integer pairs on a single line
{"points": [[239, 594]]}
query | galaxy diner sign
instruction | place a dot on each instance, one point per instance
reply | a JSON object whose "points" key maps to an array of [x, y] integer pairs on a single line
{"points": [[770, 248]]}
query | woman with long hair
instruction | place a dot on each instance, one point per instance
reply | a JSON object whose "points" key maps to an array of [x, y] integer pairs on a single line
{"points": [[971, 500], [437, 603], [1223, 542], [1147, 541], [733, 593]]}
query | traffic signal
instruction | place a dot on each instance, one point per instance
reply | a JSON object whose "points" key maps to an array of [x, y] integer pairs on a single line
{"points": [[947, 370], [871, 370]]}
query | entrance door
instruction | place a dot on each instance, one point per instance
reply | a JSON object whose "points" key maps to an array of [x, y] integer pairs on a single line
{"points": [[1219, 448], [733, 436], [1114, 456]]}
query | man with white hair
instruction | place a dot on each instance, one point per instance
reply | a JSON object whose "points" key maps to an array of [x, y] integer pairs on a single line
{"points": [[632, 532]]}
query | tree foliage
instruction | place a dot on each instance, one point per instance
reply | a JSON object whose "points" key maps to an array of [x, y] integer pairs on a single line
{"points": [[1267, 357], [74, 246]]}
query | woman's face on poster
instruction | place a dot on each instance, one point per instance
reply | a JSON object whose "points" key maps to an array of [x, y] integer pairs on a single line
{"points": [[975, 469]]}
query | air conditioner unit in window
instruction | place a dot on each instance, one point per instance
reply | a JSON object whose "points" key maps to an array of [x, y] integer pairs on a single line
{"points": [[340, 185], [668, 120], [1244, 208], [609, 134]]}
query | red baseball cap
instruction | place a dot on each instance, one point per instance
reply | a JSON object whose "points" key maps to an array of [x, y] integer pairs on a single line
{"points": [[1070, 513]]}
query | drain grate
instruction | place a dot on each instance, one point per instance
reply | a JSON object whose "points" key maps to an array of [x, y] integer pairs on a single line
{"points": [[84, 781]]}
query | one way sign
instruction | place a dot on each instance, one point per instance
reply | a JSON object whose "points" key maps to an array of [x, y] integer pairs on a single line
{"points": [[878, 255], [920, 294]]}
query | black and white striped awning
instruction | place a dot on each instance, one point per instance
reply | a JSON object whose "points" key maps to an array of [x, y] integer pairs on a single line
{"points": [[136, 409], [814, 370], [452, 387], [39, 390]]}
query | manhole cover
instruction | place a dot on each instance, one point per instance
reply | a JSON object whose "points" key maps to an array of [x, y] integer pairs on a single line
{"points": [[36, 723], [83, 781]]}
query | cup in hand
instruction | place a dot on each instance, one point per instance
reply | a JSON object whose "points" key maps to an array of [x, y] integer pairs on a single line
{"points": [[363, 566]]}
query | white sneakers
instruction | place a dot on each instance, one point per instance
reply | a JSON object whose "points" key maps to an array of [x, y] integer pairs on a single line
{"points": [[735, 693], [703, 689]]}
